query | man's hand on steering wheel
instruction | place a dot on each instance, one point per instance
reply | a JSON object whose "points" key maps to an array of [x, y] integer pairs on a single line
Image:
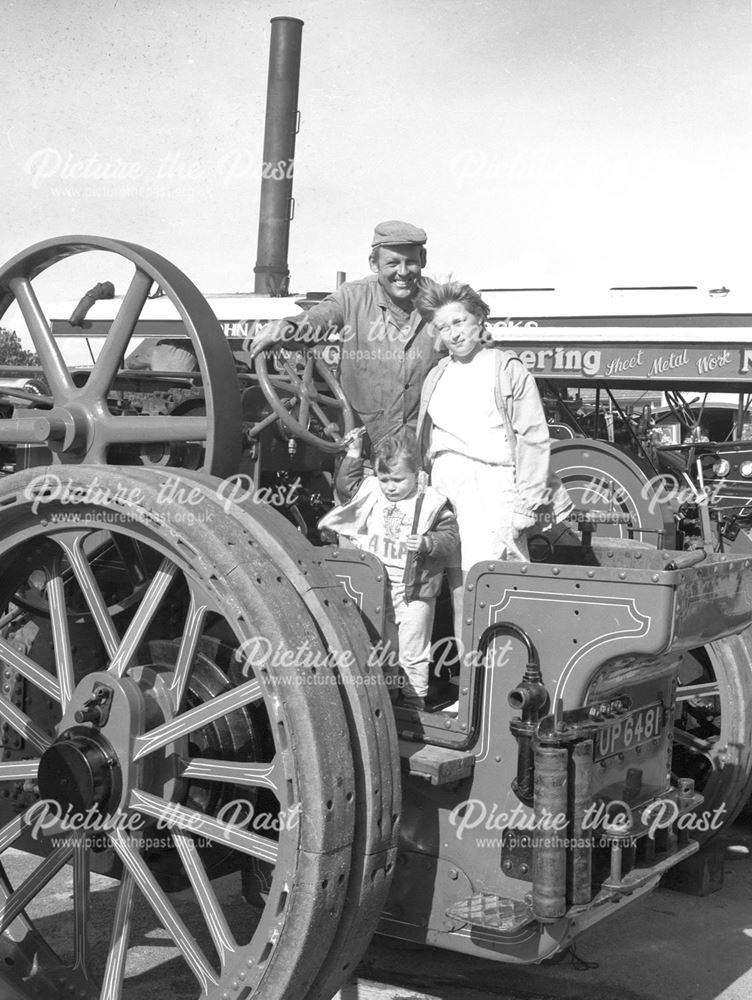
{"points": [[353, 442], [275, 333]]}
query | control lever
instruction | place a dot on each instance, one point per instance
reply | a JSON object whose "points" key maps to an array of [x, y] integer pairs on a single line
{"points": [[587, 520], [683, 560], [102, 290]]}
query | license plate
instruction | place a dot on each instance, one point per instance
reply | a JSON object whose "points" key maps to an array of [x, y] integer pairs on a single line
{"points": [[630, 731]]}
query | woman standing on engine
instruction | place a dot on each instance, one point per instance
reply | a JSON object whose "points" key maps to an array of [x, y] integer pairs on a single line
{"points": [[483, 432]]}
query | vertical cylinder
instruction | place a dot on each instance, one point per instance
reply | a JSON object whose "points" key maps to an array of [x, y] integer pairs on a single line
{"points": [[580, 851], [549, 845], [616, 869], [272, 275]]}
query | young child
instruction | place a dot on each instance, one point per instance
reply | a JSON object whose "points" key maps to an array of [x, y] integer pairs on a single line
{"points": [[413, 531]]}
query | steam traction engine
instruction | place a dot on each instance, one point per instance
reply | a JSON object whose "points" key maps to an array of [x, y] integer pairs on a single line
{"points": [[195, 728]]}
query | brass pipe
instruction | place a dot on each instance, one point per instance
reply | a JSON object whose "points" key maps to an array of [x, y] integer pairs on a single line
{"points": [[550, 845]]}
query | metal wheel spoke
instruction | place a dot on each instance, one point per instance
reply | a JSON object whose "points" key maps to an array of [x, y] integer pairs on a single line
{"points": [[708, 689], [195, 718], [17, 902], [295, 385], [323, 417], [61, 638], [114, 973], [30, 670], [262, 425], [303, 415], [55, 370], [178, 817], [24, 924], [304, 411], [283, 385], [164, 910], [219, 929], [330, 401], [288, 402], [153, 430], [73, 546], [307, 391], [288, 395], [116, 342], [307, 378], [194, 623], [132, 559], [148, 607], [19, 770], [81, 889], [331, 382], [13, 830], [234, 772], [24, 726]]}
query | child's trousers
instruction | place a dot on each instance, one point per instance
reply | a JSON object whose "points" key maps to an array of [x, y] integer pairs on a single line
{"points": [[408, 630]]}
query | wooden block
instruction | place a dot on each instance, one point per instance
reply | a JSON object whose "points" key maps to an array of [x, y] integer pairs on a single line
{"points": [[439, 765], [700, 875]]}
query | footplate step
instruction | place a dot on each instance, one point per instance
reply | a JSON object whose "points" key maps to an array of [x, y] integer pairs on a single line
{"points": [[439, 765], [492, 912]]}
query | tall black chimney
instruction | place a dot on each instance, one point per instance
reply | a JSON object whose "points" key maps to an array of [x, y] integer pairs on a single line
{"points": [[275, 212]]}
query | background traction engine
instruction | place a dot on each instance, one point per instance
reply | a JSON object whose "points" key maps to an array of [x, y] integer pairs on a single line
{"points": [[197, 741]]}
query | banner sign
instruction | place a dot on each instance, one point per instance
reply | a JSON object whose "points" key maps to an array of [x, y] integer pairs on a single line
{"points": [[634, 355], [704, 363]]}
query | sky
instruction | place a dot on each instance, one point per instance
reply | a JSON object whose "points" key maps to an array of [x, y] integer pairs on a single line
{"points": [[539, 142]]}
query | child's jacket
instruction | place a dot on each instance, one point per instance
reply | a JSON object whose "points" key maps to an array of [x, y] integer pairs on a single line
{"points": [[436, 521]]}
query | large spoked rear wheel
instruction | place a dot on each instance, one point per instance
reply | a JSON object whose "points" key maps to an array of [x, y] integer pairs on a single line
{"points": [[206, 732]]}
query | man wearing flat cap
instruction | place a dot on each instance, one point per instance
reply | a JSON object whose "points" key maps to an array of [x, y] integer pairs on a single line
{"points": [[386, 348]]}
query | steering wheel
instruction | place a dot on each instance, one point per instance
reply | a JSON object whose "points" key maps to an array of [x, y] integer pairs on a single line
{"points": [[296, 399]]}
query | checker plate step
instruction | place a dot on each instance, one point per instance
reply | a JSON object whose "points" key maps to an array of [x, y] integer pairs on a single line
{"points": [[492, 912]]}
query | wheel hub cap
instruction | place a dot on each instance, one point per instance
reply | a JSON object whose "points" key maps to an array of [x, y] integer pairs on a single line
{"points": [[79, 771]]}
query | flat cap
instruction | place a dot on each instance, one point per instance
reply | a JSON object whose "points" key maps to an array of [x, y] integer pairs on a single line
{"points": [[396, 233]]}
